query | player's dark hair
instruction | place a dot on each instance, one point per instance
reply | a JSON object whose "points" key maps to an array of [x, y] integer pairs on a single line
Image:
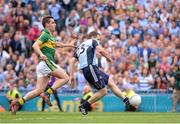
{"points": [[46, 19], [93, 34], [85, 36]]}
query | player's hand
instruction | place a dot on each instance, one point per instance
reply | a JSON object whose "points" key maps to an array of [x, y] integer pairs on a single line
{"points": [[72, 82], [109, 60], [72, 79], [71, 45], [74, 35], [43, 57]]}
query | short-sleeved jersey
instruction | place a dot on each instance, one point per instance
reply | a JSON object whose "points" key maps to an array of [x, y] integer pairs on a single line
{"points": [[47, 44], [86, 53]]}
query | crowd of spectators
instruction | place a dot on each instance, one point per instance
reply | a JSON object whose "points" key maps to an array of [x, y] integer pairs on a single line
{"points": [[142, 37]]}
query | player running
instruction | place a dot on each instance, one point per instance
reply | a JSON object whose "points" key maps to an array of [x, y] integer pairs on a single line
{"points": [[86, 55], [45, 48]]}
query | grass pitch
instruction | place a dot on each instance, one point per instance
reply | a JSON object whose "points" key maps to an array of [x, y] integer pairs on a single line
{"points": [[92, 117]]}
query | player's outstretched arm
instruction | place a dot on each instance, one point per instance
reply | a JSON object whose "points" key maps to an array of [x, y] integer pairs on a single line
{"points": [[61, 45], [103, 53], [72, 68]]}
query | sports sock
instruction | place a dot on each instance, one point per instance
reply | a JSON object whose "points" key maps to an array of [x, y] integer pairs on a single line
{"points": [[49, 91], [86, 105], [21, 101], [126, 101]]}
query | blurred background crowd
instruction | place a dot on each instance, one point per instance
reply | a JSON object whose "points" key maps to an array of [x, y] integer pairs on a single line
{"points": [[142, 37]]}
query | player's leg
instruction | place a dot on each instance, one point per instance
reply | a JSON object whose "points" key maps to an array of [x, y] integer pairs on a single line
{"points": [[43, 105], [175, 100], [62, 78], [94, 78], [117, 91], [57, 100], [40, 87], [43, 102], [174, 105], [110, 82], [98, 95]]}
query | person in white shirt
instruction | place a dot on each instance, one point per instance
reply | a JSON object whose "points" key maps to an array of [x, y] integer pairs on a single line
{"points": [[146, 81]]}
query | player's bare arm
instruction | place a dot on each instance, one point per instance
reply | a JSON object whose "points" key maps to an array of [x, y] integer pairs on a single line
{"points": [[36, 48], [71, 42], [61, 45], [72, 67], [103, 53]]}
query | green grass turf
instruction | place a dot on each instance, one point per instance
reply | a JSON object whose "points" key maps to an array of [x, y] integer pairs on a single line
{"points": [[93, 117]]}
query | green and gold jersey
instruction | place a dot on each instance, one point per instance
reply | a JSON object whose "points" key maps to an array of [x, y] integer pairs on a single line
{"points": [[47, 44]]}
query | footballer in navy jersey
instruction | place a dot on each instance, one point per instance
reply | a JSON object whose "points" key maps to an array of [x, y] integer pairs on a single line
{"points": [[86, 55]]}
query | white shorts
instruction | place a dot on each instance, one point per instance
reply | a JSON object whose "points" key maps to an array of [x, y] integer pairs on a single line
{"points": [[45, 68]]}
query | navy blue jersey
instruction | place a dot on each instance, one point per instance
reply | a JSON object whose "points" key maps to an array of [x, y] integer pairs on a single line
{"points": [[86, 53]]}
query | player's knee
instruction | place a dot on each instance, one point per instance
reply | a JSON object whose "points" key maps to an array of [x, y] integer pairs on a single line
{"points": [[103, 91], [66, 79], [111, 85], [39, 91]]}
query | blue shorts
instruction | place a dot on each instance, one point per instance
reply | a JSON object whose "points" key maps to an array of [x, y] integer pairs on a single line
{"points": [[95, 77]]}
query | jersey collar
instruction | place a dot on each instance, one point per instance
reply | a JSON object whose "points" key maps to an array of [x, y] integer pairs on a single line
{"points": [[45, 30]]}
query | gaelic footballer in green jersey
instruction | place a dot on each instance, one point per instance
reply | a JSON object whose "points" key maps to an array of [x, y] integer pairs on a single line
{"points": [[45, 48]]}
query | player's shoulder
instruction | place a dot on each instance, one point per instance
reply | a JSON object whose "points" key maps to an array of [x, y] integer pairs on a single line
{"points": [[90, 41], [87, 41], [95, 40], [44, 36], [45, 33]]}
